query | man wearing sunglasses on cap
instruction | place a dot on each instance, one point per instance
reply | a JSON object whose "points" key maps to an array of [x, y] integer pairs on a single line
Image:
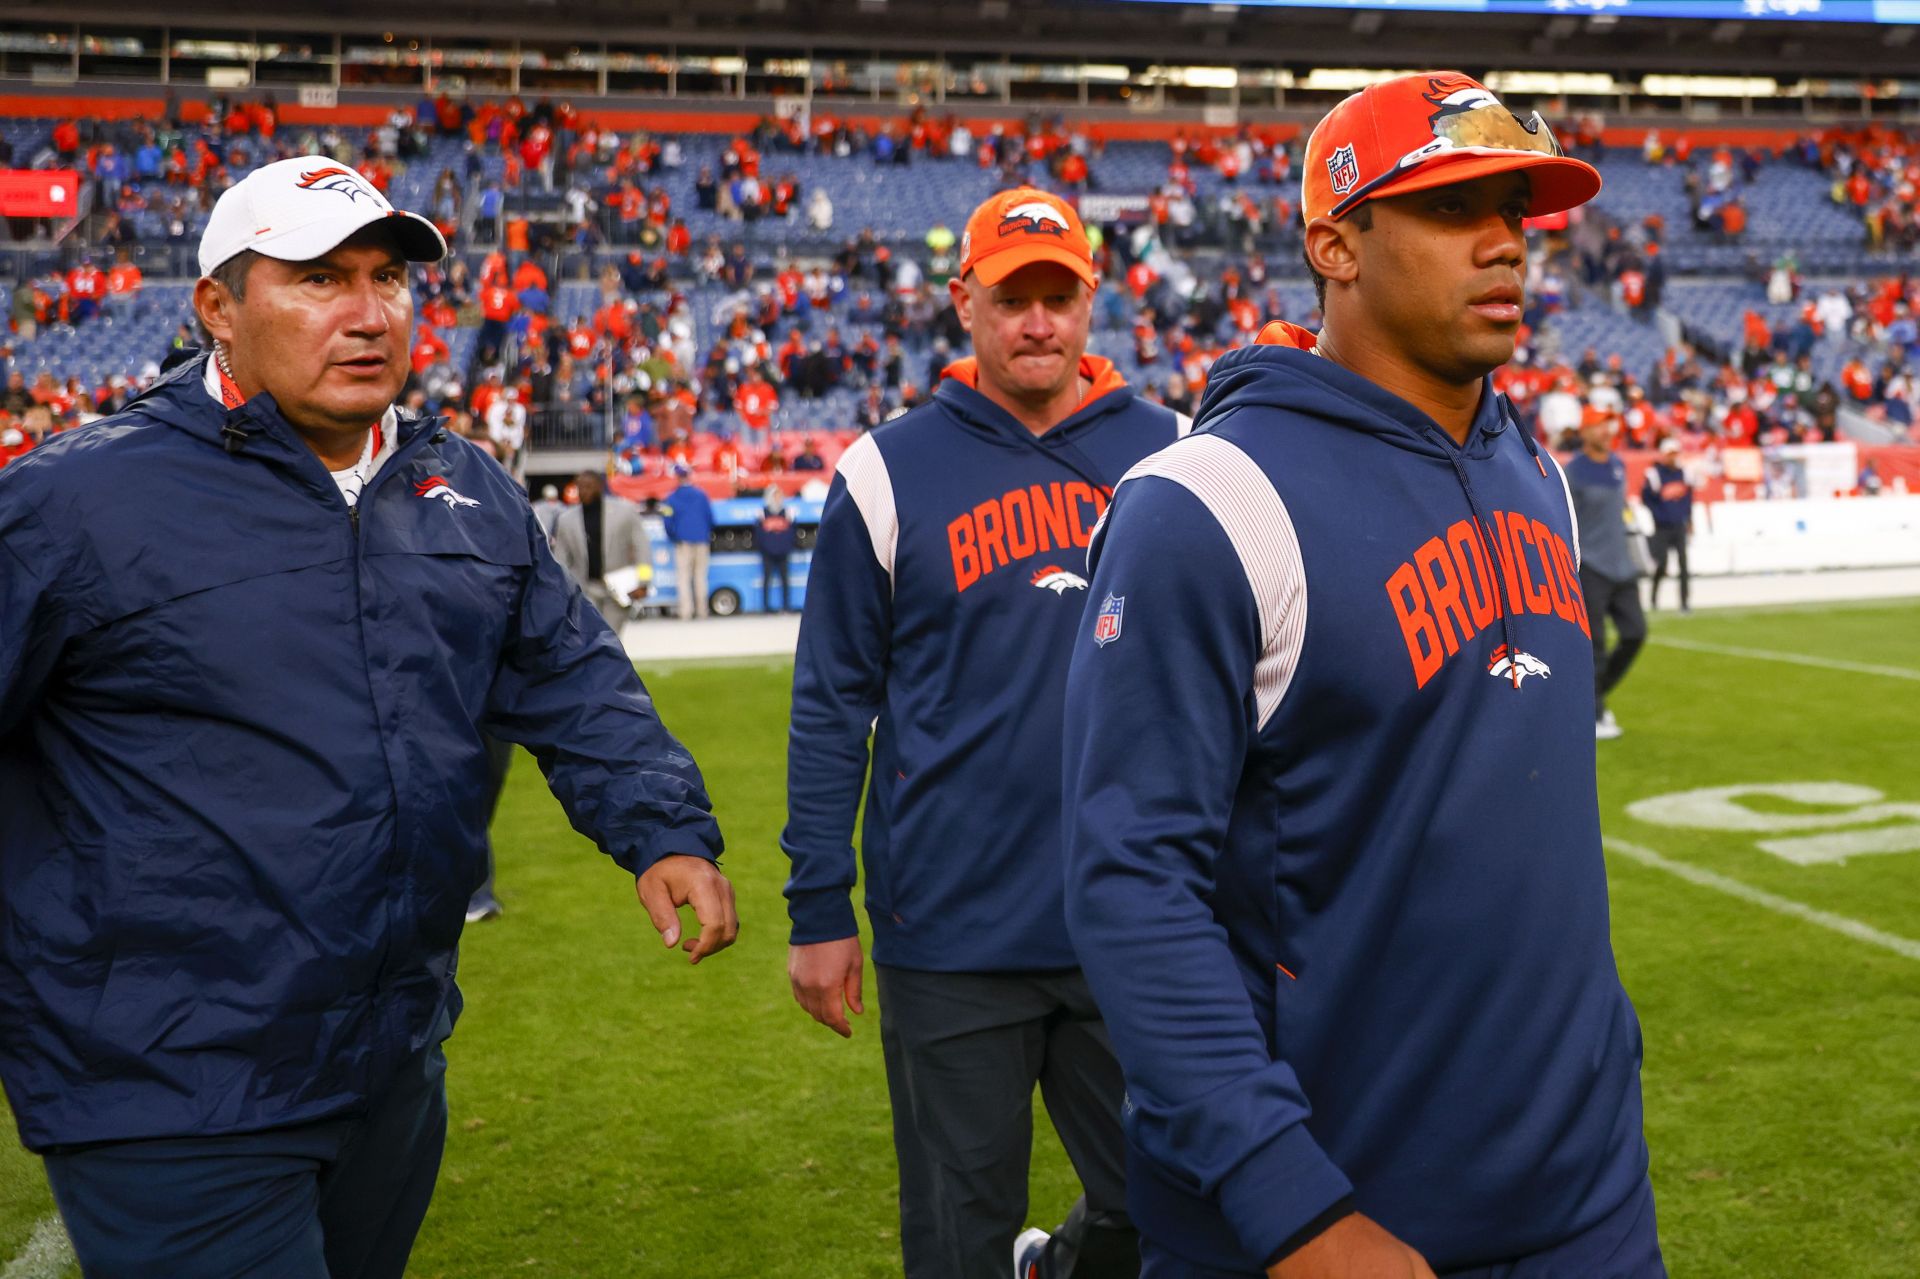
{"points": [[254, 633], [1333, 842]]}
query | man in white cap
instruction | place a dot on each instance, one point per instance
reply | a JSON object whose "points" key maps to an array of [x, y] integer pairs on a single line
{"points": [[254, 630]]}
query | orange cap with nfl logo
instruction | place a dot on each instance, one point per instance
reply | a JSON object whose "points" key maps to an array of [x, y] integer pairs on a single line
{"points": [[1417, 132], [1020, 227]]}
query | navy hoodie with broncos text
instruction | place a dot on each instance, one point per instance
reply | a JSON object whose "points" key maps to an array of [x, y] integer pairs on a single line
{"points": [[1333, 843], [947, 584]]}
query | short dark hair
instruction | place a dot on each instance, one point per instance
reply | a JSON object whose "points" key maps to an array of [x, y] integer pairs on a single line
{"points": [[1362, 217], [232, 274]]}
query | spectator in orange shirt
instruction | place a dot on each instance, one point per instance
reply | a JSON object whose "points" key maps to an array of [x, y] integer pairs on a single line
{"points": [[123, 286], [1733, 219], [498, 302], [580, 338], [87, 286], [428, 349], [727, 458], [1858, 380], [528, 275], [755, 401]]}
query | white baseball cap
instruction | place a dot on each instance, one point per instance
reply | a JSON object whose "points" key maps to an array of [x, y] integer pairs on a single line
{"points": [[300, 209]]}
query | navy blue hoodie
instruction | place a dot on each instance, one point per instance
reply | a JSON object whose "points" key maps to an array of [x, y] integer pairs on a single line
{"points": [[946, 588], [1333, 843]]}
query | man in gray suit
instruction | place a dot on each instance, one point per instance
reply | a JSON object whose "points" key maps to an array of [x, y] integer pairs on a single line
{"points": [[598, 536]]}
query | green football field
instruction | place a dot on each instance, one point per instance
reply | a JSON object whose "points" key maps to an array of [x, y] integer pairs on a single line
{"points": [[618, 1114]]}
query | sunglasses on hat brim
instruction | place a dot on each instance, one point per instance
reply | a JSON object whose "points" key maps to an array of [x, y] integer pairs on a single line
{"points": [[1490, 132]]}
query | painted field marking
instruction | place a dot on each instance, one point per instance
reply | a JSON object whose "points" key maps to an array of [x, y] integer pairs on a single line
{"points": [[1719, 808], [48, 1254], [1793, 659], [1779, 905]]}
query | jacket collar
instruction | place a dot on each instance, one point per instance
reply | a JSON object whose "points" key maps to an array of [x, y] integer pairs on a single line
{"points": [[182, 399]]}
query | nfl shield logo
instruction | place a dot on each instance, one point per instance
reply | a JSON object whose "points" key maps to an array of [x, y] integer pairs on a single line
{"points": [[1106, 623], [1343, 169]]}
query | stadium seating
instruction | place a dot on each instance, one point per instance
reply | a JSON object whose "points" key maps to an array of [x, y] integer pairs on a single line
{"points": [[1708, 292]]}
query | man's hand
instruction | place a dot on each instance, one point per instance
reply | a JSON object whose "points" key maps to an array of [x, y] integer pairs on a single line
{"points": [[678, 880], [824, 975], [1354, 1247]]}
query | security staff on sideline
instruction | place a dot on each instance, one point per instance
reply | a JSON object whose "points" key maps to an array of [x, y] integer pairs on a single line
{"points": [[253, 631]]}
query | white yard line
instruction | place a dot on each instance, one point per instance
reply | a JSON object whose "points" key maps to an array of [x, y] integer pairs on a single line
{"points": [[1794, 659], [48, 1254], [1767, 901]]}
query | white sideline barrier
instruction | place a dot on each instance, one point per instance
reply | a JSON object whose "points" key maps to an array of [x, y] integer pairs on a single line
{"points": [[1797, 535]]}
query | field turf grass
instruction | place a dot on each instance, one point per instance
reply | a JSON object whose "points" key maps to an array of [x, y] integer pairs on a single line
{"points": [[618, 1114]]}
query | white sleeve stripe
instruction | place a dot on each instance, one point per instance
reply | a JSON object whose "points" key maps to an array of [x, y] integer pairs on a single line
{"points": [[1573, 520], [1243, 501], [871, 488]]}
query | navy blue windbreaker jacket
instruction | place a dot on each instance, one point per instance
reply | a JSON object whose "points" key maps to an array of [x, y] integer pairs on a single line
{"points": [[947, 583], [1332, 835], [243, 791]]}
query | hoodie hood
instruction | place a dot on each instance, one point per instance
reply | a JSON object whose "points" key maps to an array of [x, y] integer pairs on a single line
{"points": [[959, 390], [1107, 393], [1281, 370]]}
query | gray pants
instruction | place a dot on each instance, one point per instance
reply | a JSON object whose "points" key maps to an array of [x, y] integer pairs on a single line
{"points": [[690, 578], [963, 1053]]}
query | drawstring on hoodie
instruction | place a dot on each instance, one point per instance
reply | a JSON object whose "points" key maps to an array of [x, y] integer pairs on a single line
{"points": [[1485, 526], [1287, 336], [1065, 452], [1526, 436]]}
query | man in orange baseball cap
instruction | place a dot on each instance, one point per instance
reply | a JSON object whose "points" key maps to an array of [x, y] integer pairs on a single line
{"points": [[1366, 1030], [1434, 129], [1019, 228], [952, 538]]}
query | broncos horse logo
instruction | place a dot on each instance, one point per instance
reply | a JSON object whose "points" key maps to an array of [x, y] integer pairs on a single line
{"points": [[332, 177], [1035, 217], [1468, 115], [437, 486], [1522, 665], [1058, 580]]}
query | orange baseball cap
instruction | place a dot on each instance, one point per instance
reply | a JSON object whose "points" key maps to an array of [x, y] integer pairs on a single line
{"points": [[1020, 227], [1416, 132]]}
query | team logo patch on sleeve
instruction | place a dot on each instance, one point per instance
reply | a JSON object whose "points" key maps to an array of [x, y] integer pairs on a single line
{"points": [[1343, 170], [1106, 623]]}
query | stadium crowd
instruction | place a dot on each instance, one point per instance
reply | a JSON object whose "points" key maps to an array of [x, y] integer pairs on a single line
{"points": [[708, 354]]}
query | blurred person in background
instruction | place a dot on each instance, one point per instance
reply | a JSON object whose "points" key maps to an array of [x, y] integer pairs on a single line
{"points": [[1609, 569], [1668, 496], [774, 535], [597, 536], [689, 515]]}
